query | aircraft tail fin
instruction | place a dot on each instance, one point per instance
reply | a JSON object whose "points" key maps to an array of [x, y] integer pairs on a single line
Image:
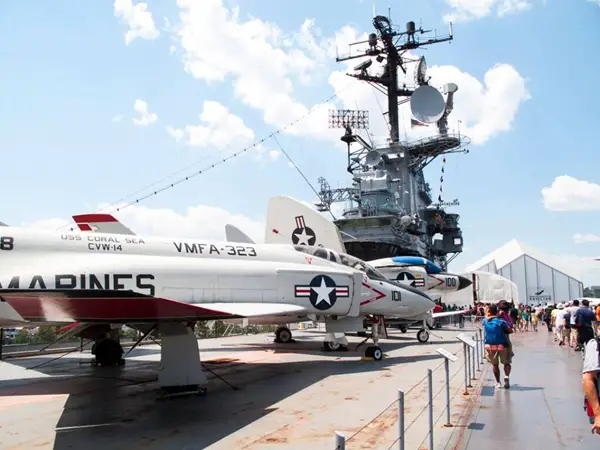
{"points": [[292, 222], [101, 223], [234, 234]]}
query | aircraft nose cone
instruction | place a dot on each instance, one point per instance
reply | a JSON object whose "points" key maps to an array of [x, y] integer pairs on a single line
{"points": [[464, 282], [422, 304]]}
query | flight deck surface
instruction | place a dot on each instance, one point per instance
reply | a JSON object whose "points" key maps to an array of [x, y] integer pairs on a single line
{"points": [[283, 396]]}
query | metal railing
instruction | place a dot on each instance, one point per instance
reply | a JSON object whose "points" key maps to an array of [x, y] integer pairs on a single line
{"points": [[472, 354]]}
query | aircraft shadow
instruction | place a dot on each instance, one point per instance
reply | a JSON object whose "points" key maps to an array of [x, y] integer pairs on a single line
{"points": [[120, 410]]}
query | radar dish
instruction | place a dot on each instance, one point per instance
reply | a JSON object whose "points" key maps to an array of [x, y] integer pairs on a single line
{"points": [[427, 104], [373, 158], [421, 72], [450, 88]]}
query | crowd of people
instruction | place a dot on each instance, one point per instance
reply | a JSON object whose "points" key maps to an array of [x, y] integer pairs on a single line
{"points": [[575, 325]]}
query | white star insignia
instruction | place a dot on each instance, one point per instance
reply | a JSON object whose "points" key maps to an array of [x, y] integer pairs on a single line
{"points": [[323, 292], [302, 237]]}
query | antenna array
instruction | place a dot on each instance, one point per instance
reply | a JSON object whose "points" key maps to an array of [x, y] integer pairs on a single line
{"points": [[349, 118]]}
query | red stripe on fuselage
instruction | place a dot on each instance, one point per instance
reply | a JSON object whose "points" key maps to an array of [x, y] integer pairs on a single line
{"points": [[378, 295], [94, 218], [84, 227], [115, 309]]}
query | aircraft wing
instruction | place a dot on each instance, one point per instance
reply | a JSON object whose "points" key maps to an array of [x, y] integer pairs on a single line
{"points": [[449, 313], [101, 223], [121, 306]]}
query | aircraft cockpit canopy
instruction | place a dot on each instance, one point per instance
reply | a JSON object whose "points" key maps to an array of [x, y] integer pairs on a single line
{"points": [[341, 258]]}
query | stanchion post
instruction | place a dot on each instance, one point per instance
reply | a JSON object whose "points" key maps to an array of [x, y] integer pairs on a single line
{"points": [[447, 358], [468, 344], [477, 355], [482, 345], [340, 441], [465, 370], [401, 419], [468, 349], [430, 391], [473, 350]]}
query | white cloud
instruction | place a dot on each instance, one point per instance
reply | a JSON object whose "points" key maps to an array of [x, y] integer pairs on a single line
{"points": [[264, 64], [177, 133], [137, 18], [464, 10], [274, 155], [570, 194], [144, 116], [584, 238], [219, 129], [201, 221], [595, 1], [261, 61]]}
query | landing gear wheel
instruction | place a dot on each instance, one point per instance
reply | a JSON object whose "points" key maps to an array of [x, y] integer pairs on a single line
{"points": [[369, 352], [403, 328], [376, 353], [283, 335], [108, 353], [332, 346], [423, 336], [438, 324]]}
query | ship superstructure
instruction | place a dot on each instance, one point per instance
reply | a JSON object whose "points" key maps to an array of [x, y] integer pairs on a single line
{"points": [[392, 212]]}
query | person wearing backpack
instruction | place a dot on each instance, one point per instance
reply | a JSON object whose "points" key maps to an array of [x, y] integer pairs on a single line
{"points": [[496, 344], [591, 377]]}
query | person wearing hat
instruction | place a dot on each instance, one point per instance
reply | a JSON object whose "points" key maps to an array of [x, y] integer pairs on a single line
{"points": [[559, 323]]}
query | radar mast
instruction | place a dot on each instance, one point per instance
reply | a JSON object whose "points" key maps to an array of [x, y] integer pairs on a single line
{"points": [[391, 211]]}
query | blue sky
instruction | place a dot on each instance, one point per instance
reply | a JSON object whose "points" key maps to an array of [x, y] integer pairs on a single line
{"points": [[70, 81]]}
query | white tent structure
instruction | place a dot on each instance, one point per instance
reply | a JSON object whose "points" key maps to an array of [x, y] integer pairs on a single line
{"points": [[539, 278], [486, 288]]}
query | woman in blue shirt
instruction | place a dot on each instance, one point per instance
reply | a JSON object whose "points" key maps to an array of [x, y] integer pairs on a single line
{"points": [[496, 344]]}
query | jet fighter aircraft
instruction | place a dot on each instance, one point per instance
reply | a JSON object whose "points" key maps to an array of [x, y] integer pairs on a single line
{"points": [[378, 291], [97, 279], [290, 220]]}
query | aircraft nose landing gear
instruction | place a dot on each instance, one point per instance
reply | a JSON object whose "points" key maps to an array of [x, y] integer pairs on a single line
{"points": [[423, 334], [373, 351]]}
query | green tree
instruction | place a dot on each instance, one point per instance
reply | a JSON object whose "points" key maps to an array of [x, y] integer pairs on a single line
{"points": [[22, 337], [45, 335], [219, 328], [202, 329]]}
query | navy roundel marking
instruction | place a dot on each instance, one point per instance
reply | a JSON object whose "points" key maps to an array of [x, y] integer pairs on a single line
{"points": [[322, 292], [303, 235]]}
